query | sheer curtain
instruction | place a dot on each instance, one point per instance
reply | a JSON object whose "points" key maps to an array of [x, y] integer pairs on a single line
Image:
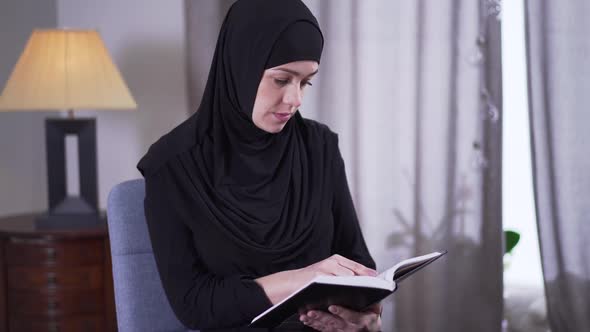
{"points": [[558, 48], [413, 89]]}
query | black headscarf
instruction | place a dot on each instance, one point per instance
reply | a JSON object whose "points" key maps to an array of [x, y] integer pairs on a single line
{"points": [[264, 191]]}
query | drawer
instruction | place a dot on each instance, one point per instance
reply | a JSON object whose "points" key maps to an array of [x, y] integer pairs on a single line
{"points": [[23, 252], [90, 323], [52, 303], [43, 278]]}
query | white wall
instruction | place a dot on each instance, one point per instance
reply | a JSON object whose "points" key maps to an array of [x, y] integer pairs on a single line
{"points": [[23, 183], [147, 42]]}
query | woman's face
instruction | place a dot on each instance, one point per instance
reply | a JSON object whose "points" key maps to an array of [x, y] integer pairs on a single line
{"points": [[280, 94]]}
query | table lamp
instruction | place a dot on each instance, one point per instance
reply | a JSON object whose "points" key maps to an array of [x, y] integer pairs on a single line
{"points": [[67, 70]]}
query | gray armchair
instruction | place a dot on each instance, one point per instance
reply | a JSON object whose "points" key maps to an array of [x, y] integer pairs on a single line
{"points": [[139, 297]]}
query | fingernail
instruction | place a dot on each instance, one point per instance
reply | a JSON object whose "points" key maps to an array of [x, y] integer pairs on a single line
{"points": [[333, 309]]}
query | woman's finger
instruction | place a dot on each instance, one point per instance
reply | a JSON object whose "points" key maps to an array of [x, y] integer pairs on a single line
{"points": [[325, 321], [348, 315], [357, 268], [308, 321], [376, 308], [332, 267]]}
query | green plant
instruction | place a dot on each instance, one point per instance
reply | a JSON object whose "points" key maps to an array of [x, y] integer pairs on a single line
{"points": [[511, 239]]}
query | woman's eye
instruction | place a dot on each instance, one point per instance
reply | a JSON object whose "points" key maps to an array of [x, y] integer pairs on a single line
{"points": [[281, 82], [304, 83]]}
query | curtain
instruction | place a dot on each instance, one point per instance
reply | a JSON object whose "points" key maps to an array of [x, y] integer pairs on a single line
{"points": [[558, 48], [414, 90]]}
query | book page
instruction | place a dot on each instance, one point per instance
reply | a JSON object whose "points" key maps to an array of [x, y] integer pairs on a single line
{"points": [[389, 273]]}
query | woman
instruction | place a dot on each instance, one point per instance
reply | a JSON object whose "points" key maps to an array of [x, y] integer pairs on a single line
{"points": [[246, 201]]}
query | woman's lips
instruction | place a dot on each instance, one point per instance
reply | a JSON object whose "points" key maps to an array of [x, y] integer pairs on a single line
{"points": [[283, 117]]}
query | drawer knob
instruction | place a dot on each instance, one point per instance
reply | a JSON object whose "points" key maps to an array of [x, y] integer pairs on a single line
{"points": [[52, 305], [52, 280], [51, 253], [53, 327]]}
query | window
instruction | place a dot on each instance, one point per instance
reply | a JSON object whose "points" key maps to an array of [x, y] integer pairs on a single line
{"points": [[524, 267]]}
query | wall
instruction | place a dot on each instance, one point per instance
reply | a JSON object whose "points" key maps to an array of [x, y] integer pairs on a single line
{"points": [[147, 42], [23, 183]]}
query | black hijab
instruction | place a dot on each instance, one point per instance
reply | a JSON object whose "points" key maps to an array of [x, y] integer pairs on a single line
{"points": [[264, 191]]}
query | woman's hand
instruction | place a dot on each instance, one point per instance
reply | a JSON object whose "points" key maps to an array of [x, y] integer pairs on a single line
{"points": [[279, 285], [334, 265], [344, 320]]}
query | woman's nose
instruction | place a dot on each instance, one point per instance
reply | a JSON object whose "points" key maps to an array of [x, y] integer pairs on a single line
{"points": [[293, 96]]}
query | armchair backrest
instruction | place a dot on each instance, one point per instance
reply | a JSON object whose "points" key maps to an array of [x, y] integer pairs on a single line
{"points": [[139, 296]]}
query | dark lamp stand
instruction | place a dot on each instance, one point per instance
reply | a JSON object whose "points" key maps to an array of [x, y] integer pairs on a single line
{"points": [[64, 210]]}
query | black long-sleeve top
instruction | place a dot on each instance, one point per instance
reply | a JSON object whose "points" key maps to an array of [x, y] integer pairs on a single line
{"points": [[207, 276]]}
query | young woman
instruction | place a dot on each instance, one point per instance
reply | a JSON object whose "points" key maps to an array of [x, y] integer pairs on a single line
{"points": [[246, 201]]}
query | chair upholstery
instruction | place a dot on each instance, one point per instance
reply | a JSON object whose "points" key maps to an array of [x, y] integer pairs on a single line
{"points": [[139, 297]]}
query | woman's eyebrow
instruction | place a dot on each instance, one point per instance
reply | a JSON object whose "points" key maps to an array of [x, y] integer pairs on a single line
{"points": [[296, 73]]}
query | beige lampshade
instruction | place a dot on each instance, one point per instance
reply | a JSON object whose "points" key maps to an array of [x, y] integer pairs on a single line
{"points": [[63, 69]]}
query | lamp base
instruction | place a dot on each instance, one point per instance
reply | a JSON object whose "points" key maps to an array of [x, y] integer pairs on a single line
{"points": [[73, 205], [56, 131]]}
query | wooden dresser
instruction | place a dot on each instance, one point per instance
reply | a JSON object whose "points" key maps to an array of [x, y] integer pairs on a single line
{"points": [[56, 280]]}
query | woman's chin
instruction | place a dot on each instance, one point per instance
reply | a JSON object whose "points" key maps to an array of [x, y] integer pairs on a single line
{"points": [[277, 129], [272, 128]]}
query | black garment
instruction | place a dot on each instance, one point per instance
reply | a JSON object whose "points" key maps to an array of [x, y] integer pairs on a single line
{"points": [[289, 47], [227, 202], [206, 272]]}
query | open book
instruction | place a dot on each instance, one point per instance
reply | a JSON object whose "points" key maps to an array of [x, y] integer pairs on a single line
{"points": [[356, 292]]}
